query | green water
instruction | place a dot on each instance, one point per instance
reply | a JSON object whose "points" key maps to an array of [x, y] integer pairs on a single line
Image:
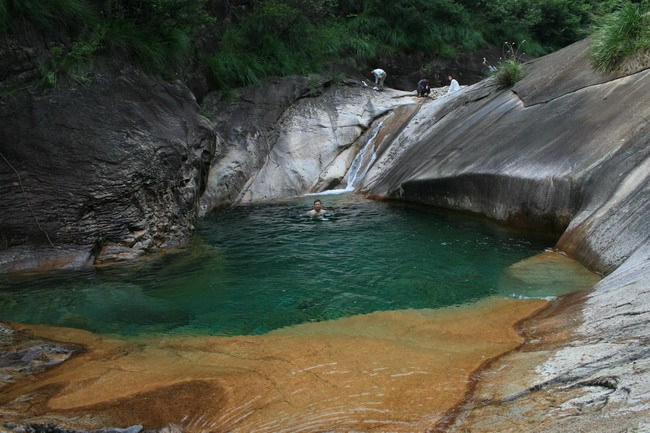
{"points": [[253, 269]]}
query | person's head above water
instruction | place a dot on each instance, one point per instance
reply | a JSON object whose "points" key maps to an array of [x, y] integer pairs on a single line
{"points": [[318, 208]]}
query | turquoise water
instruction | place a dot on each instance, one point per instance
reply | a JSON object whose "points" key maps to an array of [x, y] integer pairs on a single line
{"points": [[253, 269]]}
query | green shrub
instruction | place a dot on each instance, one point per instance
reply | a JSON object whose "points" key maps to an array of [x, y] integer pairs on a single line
{"points": [[156, 34], [229, 69], [509, 70], [422, 27], [624, 35], [546, 24], [46, 15], [508, 73], [249, 41], [140, 44], [510, 20], [276, 39], [562, 22], [71, 63]]}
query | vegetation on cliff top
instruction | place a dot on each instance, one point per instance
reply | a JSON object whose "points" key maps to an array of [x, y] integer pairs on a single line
{"points": [[242, 42], [624, 37]]}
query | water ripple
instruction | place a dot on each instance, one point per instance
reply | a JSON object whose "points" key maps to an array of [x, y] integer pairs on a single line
{"points": [[253, 269]]}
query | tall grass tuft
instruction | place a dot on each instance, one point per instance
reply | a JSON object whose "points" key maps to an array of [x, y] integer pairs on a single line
{"points": [[508, 73], [230, 70], [624, 35], [72, 63], [46, 15], [277, 39], [136, 43], [438, 27], [509, 70]]}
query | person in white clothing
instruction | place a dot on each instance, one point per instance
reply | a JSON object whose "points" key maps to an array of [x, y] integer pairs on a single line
{"points": [[453, 85], [380, 76]]}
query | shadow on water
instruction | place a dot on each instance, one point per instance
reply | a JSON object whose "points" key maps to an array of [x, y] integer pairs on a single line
{"points": [[256, 268]]}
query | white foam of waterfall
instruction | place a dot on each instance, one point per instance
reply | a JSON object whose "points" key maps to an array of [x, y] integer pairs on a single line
{"points": [[358, 168]]}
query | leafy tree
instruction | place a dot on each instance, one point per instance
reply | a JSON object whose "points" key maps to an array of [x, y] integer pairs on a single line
{"points": [[156, 33], [562, 22], [511, 20], [244, 42], [276, 38]]}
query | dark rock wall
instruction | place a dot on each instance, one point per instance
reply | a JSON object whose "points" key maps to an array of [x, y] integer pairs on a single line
{"points": [[116, 164], [493, 194]]}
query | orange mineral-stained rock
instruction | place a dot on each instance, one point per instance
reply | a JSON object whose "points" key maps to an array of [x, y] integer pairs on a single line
{"points": [[397, 371]]}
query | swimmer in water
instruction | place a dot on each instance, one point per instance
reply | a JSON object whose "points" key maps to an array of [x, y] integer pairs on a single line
{"points": [[317, 210]]}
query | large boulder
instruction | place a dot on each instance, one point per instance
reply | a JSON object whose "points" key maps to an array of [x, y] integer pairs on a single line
{"points": [[245, 134], [535, 156], [566, 150], [290, 136], [100, 172]]}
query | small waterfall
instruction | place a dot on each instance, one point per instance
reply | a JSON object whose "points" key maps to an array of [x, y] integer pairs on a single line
{"points": [[359, 166]]}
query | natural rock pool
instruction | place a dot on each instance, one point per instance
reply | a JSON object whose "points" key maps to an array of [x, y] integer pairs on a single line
{"points": [[373, 318], [257, 268]]}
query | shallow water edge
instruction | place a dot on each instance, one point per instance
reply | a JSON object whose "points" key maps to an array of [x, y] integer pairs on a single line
{"points": [[398, 371]]}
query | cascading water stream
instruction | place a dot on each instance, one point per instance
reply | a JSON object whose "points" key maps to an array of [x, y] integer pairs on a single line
{"points": [[359, 166], [358, 163]]}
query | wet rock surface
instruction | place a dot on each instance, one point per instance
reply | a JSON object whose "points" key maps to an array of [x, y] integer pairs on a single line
{"points": [[23, 354], [245, 134], [290, 136], [564, 150], [392, 371], [121, 161], [585, 366]]}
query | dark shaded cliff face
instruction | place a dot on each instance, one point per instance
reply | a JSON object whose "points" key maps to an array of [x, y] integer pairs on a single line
{"points": [[117, 165]]}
